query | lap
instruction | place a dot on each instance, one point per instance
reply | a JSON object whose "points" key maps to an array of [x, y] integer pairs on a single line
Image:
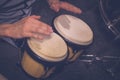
{"points": [[9, 58]]}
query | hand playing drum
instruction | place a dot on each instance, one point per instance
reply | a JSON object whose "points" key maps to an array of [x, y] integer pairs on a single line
{"points": [[29, 26]]}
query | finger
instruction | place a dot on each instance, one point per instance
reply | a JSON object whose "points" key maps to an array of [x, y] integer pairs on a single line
{"points": [[35, 35], [44, 32], [35, 17], [41, 31], [70, 7], [50, 29], [37, 26], [41, 27]]}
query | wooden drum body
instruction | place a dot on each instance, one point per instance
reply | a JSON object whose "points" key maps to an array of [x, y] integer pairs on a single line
{"points": [[76, 33], [42, 56]]}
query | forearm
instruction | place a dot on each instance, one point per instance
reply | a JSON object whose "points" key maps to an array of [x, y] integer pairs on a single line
{"points": [[4, 29]]}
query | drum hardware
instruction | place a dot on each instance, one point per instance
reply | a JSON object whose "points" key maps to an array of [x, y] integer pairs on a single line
{"points": [[73, 55], [113, 29], [105, 62], [87, 58], [110, 11], [94, 58]]}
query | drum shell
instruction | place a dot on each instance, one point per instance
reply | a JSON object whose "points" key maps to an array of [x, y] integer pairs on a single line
{"points": [[75, 50], [36, 66]]}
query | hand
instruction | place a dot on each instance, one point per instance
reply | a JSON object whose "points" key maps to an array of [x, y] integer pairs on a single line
{"points": [[30, 27], [56, 5]]}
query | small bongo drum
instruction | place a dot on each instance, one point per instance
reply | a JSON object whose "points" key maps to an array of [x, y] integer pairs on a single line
{"points": [[76, 33], [42, 56]]}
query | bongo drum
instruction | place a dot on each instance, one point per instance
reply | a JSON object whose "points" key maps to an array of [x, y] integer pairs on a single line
{"points": [[42, 56], [76, 33]]}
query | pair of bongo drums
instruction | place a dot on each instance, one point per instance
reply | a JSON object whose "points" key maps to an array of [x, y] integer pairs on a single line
{"points": [[42, 56]]}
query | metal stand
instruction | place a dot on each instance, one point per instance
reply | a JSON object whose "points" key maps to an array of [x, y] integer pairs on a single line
{"points": [[110, 63]]}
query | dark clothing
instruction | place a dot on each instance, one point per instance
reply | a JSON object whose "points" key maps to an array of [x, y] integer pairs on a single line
{"points": [[10, 12], [10, 62]]}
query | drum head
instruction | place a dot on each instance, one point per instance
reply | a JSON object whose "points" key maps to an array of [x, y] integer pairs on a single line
{"points": [[73, 29], [51, 48]]}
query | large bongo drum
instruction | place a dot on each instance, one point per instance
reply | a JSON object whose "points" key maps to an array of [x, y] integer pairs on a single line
{"points": [[42, 56], [77, 34]]}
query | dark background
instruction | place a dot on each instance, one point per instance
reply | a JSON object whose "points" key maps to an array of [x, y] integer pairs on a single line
{"points": [[103, 62]]}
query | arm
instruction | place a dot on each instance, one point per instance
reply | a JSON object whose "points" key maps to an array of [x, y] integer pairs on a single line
{"points": [[26, 27], [3, 29], [56, 5]]}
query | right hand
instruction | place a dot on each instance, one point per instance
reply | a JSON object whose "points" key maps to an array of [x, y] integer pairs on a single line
{"points": [[30, 27]]}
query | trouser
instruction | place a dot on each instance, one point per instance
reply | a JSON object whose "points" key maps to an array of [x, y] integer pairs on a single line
{"points": [[10, 62]]}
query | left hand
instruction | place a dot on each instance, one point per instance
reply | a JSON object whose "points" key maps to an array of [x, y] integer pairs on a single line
{"points": [[56, 5]]}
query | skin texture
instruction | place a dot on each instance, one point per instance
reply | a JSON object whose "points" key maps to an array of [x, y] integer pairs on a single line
{"points": [[27, 27], [31, 26], [56, 5]]}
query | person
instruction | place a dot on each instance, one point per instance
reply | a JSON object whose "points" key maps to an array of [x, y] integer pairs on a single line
{"points": [[17, 23]]}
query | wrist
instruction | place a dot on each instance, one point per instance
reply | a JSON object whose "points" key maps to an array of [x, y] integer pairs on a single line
{"points": [[5, 30]]}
